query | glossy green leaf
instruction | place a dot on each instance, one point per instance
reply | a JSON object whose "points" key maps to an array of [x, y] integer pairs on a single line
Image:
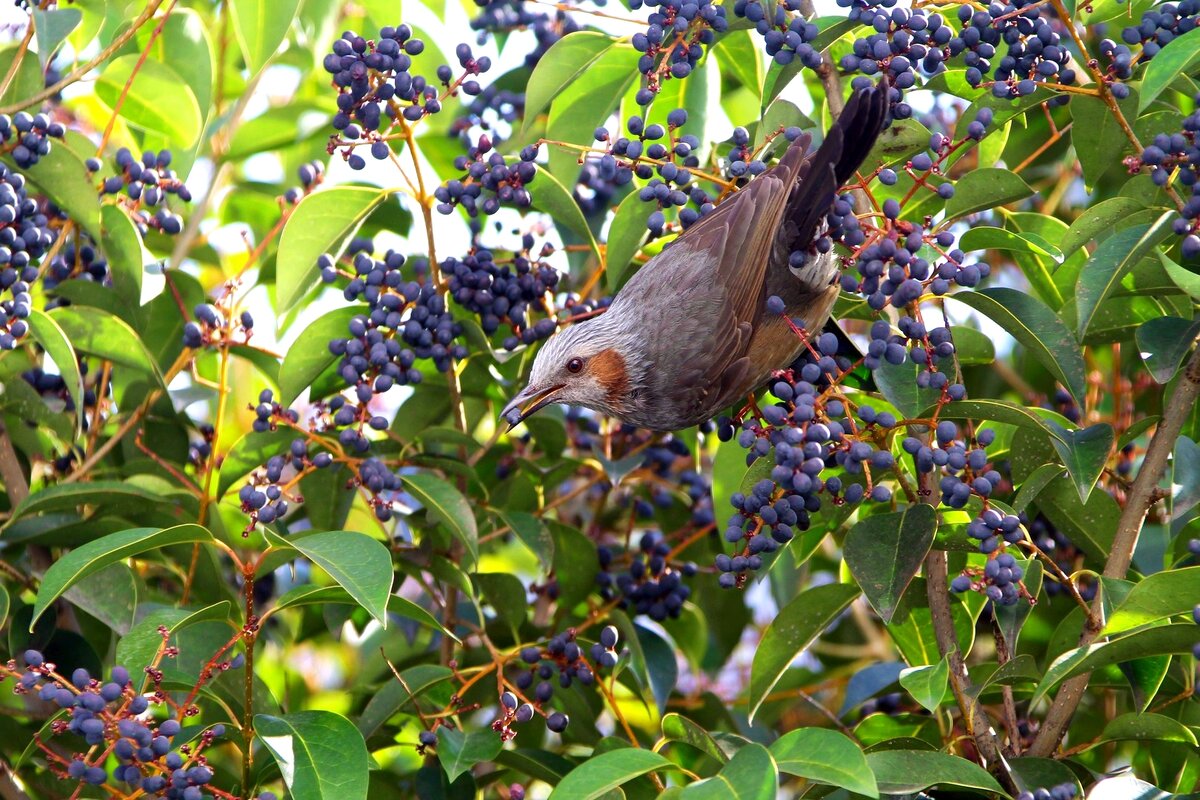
{"points": [[1022, 669], [1147, 727], [136, 649], [792, 630], [1111, 261], [679, 728], [321, 595], [1161, 640], [396, 695], [551, 197], [321, 223], [1097, 137], [533, 534], [4, 604], [750, 775], [261, 26], [101, 334], [360, 565], [459, 752], [626, 235], [1099, 220], [884, 552], [1032, 486], [1178, 57], [123, 249], [249, 453], [320, 754], [985, 188], [158, 99], [1154, 598], [52, 27], [448, 506], [908, 771], [309, 355], [1185, 279], [825, 756], [566, 61], [1038, 329], [54, 341], [600, 774], [990, 238], [99, 553], [927, 684]]}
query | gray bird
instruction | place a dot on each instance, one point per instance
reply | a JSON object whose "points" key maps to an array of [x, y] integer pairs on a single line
{"points": [[689, 334]]}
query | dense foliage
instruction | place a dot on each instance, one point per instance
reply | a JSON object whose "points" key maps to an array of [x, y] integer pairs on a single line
{"points": [[269, 270]]}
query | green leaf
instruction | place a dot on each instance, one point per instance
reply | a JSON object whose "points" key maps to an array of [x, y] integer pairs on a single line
{"points": [[309, 355], [321, 223], [54, 341], [28, 80], [1097, 137], [1099, 220], [909, 771], [99, 333], [825, 756], [533, 534], [739, 54], [99, 495], [1010, 619], [99, 553], [565, 61], [360, 565], [448, 506], [582, 105], [750, 775], [1161, 640], [990, 238], [551, 197], [1032, 486], [505, 593], [261, 26], [600, 774], [158, 99], [986, 188], [884, 552], [1022, 669], [136, 649], [792, 630], [123, 249], [626, 235], [1154, 598], [927, 684], [574, 565], [898, 142], [1185, 279], [320, 754], [250, 452], [4, 604], [1111, 261], [1147, 727], [678, 728], [1038, 329], [1179, 56], [309, 594], [459, 752], [52, 27], [396, 694], [62, 176]]}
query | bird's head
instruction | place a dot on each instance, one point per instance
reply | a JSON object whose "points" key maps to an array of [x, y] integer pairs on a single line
{"points": [[583, 365]]}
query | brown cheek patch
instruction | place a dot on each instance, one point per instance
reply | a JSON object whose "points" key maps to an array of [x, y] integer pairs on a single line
{"points": [[608, 368]]}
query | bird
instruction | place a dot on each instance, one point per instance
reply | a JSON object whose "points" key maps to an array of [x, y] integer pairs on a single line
{"points": [[690, 334]]}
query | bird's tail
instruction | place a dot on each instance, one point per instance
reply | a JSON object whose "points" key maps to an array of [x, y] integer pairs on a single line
{"points": [[818, 177]]}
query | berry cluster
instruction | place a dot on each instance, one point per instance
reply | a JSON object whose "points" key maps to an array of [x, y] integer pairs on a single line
{"points": [[264, 497], [806, 431], [904, 41], [504, 294], [929, 350], [53, 389], [82, 261], [110, 718], [1161, 25], [674, 41], [786, 34], [146, 184], [406, 320], [310, 175], [1178, 154], [651, 584], [1055, 545], [25, 236], [26, 137], [498, 17], [1035, 51], [376, 478], [490, 181], [211, 327], [563, 656], [268, 414]]}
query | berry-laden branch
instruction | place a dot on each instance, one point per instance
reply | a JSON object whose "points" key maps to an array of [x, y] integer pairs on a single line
{"points": [[1142, 495]]}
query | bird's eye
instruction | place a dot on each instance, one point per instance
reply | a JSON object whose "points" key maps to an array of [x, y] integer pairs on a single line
{"points": [[574, 365]]}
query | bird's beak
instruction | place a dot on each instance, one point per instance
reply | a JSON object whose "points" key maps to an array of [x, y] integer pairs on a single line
{"points": [[530, 400]]}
